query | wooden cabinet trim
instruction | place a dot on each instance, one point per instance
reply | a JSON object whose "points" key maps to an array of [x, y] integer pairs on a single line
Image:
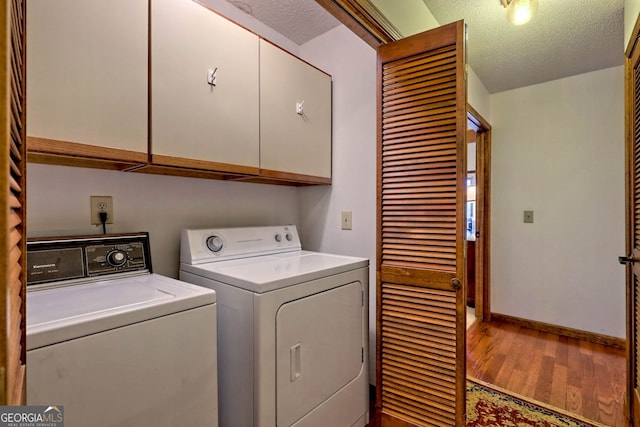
{"points": [[42, 146], [203, 165], [294, 177]]}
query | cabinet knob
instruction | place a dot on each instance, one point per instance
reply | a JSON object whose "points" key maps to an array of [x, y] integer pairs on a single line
{"points": [[626, 259], [211, 76]]}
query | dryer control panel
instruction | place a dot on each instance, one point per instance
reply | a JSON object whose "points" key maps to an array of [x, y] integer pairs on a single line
{"points": [[76, 259], [219, 244]]}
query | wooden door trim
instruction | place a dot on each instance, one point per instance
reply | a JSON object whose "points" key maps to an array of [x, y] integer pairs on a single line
{"points": [[360, 17], [483, 214], [632, 56]]}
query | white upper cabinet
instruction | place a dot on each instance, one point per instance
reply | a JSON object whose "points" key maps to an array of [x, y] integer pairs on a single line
{"points": [[87, 69], [295, 115], [191, 118]]}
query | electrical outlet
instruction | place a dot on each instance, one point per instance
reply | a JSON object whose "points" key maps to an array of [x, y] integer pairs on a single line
{"points": [[346, 220], [101, 204]]}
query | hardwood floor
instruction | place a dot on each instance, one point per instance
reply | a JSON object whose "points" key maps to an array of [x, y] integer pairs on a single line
{"points": [[581, 377]]}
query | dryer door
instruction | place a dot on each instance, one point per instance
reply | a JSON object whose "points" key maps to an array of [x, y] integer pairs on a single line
{"points": [[319, 349]]}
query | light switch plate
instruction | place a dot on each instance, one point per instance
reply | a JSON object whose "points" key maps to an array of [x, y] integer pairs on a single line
{"points": [[346, 220], [528, 217]]}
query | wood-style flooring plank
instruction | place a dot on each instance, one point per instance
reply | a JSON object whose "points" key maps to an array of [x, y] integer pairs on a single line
{"points": [[585, 378]]}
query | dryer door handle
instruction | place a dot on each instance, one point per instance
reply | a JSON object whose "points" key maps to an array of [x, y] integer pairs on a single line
{"points": [[295, 370]]}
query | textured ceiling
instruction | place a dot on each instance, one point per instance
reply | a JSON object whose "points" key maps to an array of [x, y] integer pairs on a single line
{"points": [[566, 37], [298, 20]]}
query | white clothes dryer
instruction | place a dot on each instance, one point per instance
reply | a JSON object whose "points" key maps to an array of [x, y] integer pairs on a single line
{"points": [[113, 343], [292, 327]]}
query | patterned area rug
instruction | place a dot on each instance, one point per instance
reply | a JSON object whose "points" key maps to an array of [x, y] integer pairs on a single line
{"points": [[489, 406]]}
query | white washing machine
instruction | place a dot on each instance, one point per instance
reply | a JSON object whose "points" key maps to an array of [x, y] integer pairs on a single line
{"points": [[114, 344], [292, 327]]}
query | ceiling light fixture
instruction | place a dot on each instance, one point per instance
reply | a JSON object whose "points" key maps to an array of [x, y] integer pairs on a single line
{"points": [[520, 11]]}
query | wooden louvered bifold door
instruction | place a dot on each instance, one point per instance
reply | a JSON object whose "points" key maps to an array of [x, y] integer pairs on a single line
{"points": [[421, 181], [13, 160], [633, 224]]}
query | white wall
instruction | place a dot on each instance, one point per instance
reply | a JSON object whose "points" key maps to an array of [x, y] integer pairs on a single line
{"points": [[478, 95], [558, 149], [631, 11], [58, 204], [352, 64]]}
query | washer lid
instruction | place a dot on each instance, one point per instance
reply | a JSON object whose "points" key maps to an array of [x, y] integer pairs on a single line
{"points": [[60, 314], [269, 272]]}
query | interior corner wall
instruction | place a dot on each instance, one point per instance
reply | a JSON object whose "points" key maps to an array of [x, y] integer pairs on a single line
{"points": [[409, 16], [558, 149], [352, 64], [478, 96], [229, 11], [631, 11]]}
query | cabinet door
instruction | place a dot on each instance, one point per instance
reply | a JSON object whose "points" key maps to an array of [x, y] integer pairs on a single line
{"points": [[292, 141], [208, 126], [88, 77]]}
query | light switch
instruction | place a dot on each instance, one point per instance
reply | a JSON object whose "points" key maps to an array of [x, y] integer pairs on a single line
{"points": [[346, 220], [528, 217]]}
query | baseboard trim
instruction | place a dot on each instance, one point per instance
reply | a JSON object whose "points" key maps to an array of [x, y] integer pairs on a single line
{"points": [[561, 330]]}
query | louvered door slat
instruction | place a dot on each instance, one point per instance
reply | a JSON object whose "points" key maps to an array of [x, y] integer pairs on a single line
{"points": [[13, 161], [421, 107], [634, 232]]}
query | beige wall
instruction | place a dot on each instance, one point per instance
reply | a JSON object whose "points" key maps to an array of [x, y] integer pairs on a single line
{"points": [[58, 204], [558, 149], [631, 11], [409, 16]]}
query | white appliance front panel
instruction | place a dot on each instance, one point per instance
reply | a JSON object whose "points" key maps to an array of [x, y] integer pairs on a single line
{"points": [[319, 349], [266, 309], [270, 272], [247, 352], [68, 312], [161, 372]]}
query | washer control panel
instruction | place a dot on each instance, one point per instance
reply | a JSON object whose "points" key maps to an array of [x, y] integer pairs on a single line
{"points": [[62, 259], [116, 257]]}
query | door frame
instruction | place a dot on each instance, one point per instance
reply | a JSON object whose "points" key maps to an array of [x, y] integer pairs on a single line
{"points": [[632, 401], [476, 122]]}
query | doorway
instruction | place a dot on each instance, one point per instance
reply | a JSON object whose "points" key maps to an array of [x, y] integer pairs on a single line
{"points": [[478, 211]]}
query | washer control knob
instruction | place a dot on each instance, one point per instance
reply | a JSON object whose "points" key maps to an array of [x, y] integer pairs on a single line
{"points": [[278, 237], [215, 243], [289, 237], [117, 258]]}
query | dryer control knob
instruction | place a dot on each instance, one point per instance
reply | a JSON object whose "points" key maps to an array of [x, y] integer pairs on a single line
{"points": [[215, 243], [289, 237], [117, 258], [278, 237]]}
